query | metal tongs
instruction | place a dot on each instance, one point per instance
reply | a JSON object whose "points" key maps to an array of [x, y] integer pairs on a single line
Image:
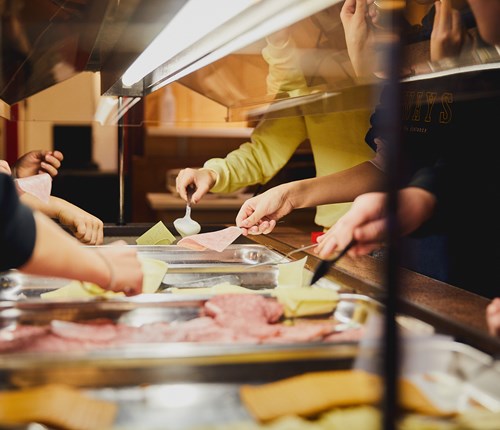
{"points": [[283, 258]]}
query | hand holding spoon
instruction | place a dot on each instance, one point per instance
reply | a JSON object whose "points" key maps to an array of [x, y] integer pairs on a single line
{"points": [[186, 226]]}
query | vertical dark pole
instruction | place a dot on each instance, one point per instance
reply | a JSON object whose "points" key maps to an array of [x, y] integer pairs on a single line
{"points": [[390, 45], [121, 171]]}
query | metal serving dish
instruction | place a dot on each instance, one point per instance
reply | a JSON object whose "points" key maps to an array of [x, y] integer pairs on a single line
{"points": [[186, 268], [139, 363]]}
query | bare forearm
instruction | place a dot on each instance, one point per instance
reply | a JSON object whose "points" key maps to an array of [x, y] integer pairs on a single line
{"points": [[49, 209], [338, 187], [58, 254]]}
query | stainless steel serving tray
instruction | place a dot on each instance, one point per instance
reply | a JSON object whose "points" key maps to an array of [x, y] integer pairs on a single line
{"points": [[186, 268], [164, 358]]}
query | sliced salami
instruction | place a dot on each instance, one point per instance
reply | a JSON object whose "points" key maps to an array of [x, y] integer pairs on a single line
{"points": [[216, 240]]}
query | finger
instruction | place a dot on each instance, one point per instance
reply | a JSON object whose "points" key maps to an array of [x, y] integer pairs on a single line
{"points": [[361, 8], [57, 154], [254, 216], [265, 227], [100, 233], [327, 247], [374, 231], [201, 190], [50, 159], [48, 168], [4, 167], [132, 291], [271, 225], [242, 216], [445, 16], [348, 8], [494, 324], [456, 23], [254, 230], [94, 232], [82, 233], [437, 16], [493, 307]]}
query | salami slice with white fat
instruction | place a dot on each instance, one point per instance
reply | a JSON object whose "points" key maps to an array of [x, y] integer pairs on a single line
{"points": [[38, 185], [216, 240]]}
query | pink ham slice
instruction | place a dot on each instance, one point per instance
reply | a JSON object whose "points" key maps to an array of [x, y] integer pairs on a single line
{"points": [[217, 240], [38, 185], [91, 332]]}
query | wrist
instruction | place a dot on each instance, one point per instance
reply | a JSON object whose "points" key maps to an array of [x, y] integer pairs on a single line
{"points": [[107, 279], [213, 174]]}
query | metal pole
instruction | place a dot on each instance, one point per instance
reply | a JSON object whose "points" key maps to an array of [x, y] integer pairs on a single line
{"points": [[121, 172], [390, 46]]}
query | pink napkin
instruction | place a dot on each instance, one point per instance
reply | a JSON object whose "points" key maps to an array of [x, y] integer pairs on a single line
{"points": [[37, 185], [216, 240]]}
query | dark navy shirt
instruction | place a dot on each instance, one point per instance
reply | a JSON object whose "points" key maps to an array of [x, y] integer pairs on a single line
{"points": [[17, 227], [450, 147]]}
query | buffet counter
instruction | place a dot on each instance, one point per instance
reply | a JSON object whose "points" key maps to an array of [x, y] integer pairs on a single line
{"points": [[450, 309], [136, 356]]}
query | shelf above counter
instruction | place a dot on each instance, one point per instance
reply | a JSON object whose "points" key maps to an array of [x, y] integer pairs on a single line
{"points": [[224, 132]]}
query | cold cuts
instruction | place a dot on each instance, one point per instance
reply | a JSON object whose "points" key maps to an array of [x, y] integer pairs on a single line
{"points": [[217, 240], [227, 318]]}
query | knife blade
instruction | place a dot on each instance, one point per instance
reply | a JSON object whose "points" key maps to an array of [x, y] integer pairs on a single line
{"points": [[324, 265]]}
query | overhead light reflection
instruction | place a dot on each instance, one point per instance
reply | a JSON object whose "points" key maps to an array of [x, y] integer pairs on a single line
{"points": [[193, 22], [196, 37]]}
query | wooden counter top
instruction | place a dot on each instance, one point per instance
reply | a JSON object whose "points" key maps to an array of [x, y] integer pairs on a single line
{"points": [[450, 309]]}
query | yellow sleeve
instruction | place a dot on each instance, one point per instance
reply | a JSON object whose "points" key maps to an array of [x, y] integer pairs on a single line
{"points": [[272, 144], [285, 72]]}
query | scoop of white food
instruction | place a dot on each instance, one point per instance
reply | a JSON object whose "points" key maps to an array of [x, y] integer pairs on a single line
{"points": [[185, 225]]}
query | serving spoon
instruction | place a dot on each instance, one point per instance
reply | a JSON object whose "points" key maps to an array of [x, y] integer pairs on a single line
{"points": [[186, 226]]}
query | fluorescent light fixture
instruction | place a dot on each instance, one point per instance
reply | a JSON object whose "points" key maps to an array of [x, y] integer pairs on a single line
{"points": [[200, 38], [193, 22]]}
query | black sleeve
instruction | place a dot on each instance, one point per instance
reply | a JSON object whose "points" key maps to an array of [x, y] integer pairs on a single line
{"points": [[17, 227], [434, 179]]}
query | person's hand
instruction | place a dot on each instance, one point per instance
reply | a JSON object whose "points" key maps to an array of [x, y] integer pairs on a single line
{"points": [[125, 269], [359, 36], [448, 35], [4, 167], [87, 228], [493, 317], [259, 214], [366, 221], [40, 161], [202, 179]]}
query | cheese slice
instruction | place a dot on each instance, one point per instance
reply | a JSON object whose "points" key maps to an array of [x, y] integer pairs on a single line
{"points": [[306, 301], [153, 272]]}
